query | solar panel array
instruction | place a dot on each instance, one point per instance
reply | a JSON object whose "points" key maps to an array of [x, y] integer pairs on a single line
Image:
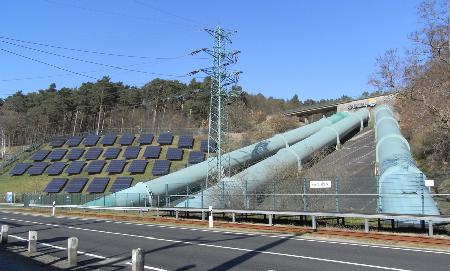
{"points": [[20, 169], [126, 139], [76, 185], [57, 142], [98, 185], [152, 152], [174, 154], [165, 138], [91, 140], [93, 153], [121, 183], [95, 166], [55, 185], [74, 141], [75, 167], [161, 167], [57, 154], [204, 146], [116, 166], [138, 166], [111, 153], [185, 141], [40, 155], [37, 168], [109, 139], [75, 154], [56, 168], [196, 157], [131, 152], [146, 139]]}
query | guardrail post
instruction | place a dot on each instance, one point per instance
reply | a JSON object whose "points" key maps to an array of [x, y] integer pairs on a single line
{"points": [[430, 228], [176, 214], [72, 251], [366, 225], [270, 220], [210, 218], [32, 241], [157, 212], [4, 234], [313, 222], [233, 217], [203, 215], [137, 259]]}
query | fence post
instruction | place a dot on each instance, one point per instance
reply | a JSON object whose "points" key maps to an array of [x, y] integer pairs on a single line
{"points": [[137, 259], [246, 195], [422, 196], [366, 225], [337, 194], [233, 217], [72, 251], [210, 218], [53, 208], [32, 241], [430, 228], [273, 194], [313, 222], [167, 195], [176, 214], [4, 234], [305, 203], [270, 220], [223, 194]]}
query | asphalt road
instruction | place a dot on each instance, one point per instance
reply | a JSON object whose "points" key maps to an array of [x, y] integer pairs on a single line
{"points": [[107, 245]]}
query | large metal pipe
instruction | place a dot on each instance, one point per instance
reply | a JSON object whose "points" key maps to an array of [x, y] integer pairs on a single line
{"points": [[177, 181], [260, 173], [401, 183]]}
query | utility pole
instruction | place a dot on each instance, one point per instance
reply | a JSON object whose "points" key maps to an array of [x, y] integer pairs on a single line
{"points": [[222, 78]]}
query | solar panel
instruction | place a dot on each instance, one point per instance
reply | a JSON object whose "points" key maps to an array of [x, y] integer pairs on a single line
{"points": [[95, 166], [121, 183], [126, 139], [40, 155], [55, 185], [37, 168], [93, 153], [20, 169], [109, 139], [56, 168], [57, 154], [161, 167], [98, 185], [132, 152], [75, 167], [57, 142], [74, 141], [196, 157], [185, 141], [204, 146], [152, 152], [165, 138], [138, 166], [111, 153], [116, 166], [76, 185], [75, 154], [146, 139], [91, 140], [174, 154]]}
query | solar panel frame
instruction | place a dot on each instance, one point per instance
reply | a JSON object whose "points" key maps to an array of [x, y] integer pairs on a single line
{"points": [[55, 168], [121, 183], [126, 139], [57, 154], [93, 153], [174, 154], [76, 185], [57, 142], [40, 155], [91, 140], [20, 169], [196, 157], [165, 139], [95, 166], [152, 152], [161, 167], [75, 154], [138, 166], [37, 168], [112, 153], [132, 152], [116, 166], [109, 139], [75, 167], [186, 141], [98, 185], [55, 185], [74, 141], [146, 139]]}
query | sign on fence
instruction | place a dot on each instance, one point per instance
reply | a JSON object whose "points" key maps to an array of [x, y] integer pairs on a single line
{"points": [[429, 183], [9, 198], [320, 184]]}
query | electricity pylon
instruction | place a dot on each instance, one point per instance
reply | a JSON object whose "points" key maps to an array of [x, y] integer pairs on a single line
{"points": [[221, 80]]}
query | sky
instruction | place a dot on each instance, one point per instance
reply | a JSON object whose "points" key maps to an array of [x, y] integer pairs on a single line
{"points": [[315, 49]]}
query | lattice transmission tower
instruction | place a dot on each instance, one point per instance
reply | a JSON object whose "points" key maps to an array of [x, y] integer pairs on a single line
{"points": [[222, 78]]}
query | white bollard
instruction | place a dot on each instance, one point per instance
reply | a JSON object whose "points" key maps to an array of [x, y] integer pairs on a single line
{"points": [[53, 208], [313, 222], [72, 251], [32, 241], [137, 259], [4, 234], [233, 217], [270, 220], [210, 218], [366, 225]]}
